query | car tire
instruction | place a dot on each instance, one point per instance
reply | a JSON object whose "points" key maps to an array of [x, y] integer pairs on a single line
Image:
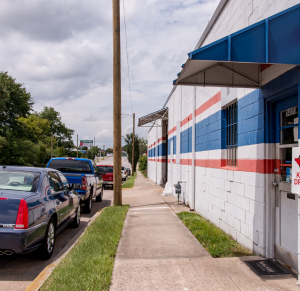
{"points": [[99, 197], [45, 251], [88, 204], [76, 221]]}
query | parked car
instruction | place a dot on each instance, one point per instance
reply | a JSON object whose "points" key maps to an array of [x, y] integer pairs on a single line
{"points": [[35, 205], [128, 171], [84, 176], [107, 173], [124, 173]]}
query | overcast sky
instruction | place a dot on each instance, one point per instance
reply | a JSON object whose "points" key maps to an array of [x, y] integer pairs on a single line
{"points": [[62, 52]]}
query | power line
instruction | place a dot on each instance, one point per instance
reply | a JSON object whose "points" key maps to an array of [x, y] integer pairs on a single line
{"points": [[127, 56]]}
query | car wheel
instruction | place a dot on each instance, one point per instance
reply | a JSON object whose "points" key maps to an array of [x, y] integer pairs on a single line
{"points": [[99, 197], [46, 249], [88, 204], [76, 221]]}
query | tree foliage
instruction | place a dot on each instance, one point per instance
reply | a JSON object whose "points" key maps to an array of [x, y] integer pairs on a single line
{"points": [[128, 148], [93, 152], [25, 136], [35, 128], [57, 127], [15, 102]]}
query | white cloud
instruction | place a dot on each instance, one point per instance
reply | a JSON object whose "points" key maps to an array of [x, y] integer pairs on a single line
{"points": [[62, 52]]}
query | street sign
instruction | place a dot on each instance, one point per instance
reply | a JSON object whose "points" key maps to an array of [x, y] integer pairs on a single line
{"points": [[86, 143]]}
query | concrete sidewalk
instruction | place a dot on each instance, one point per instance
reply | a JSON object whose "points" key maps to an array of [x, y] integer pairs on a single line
{"points": [[157, 251]]}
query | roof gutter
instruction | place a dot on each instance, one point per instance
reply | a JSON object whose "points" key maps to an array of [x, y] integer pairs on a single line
{"points": [[203, 37]]}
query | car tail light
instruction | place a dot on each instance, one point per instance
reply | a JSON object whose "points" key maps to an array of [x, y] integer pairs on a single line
{"points": [[22, 216], [3, 198], [83, 183], [125, 172]]}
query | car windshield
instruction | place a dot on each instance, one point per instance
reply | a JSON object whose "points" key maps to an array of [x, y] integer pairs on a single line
{"points": [[71, 166], [19, 180], [123, 168], [105, 170]]}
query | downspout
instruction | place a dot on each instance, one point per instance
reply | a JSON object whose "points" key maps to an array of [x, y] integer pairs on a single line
{"points": [[192, 201]]}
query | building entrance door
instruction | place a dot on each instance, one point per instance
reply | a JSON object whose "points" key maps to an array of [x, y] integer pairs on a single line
{"points": [[286, 127]]}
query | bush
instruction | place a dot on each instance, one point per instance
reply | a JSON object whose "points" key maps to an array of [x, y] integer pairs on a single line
{"points": [[143, 164]]}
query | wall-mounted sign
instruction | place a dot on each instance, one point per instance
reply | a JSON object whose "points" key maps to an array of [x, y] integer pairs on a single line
{"points": [[291, 111], [295, 179]]}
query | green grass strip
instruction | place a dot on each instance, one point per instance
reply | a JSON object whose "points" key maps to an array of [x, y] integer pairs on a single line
{"points": [[214, 240], [129, 183], [89, 265]]}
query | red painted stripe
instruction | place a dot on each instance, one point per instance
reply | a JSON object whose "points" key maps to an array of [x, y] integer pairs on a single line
{"points": [[172, 130], [255, 166], [162, 138], [186, 120], [243, 165], [212, 101], [264, 67], [158, 141], [151, 145], [186, 162]]}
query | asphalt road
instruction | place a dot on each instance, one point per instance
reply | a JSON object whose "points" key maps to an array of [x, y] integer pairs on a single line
{"points": [[110, 161], [18, 271]]}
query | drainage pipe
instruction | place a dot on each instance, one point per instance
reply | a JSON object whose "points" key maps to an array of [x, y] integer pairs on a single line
{"points": [[192, 199]]}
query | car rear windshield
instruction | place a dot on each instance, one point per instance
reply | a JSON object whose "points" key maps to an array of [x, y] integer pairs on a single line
{"points": [[19, 180], [105, 170], [71, 166]]}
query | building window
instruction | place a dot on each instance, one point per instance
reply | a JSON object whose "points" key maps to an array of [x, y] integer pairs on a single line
{"points": [[231, 135]]}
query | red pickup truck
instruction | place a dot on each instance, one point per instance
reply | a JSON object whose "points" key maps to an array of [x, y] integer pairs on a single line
{"points": [[107, 173]]}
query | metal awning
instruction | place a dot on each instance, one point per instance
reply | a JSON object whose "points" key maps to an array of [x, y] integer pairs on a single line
{"points": [[161, 114], [236, 60]]}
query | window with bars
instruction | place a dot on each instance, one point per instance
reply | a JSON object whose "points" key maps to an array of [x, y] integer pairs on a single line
{"points": [[231, 135]]}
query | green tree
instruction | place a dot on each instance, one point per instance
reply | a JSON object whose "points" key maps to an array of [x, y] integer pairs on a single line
{"points": [[15, 102], [57, 127], [35, 128], [61, 152], [42, 157], [94, 151], [128, 148], [143, 145]]}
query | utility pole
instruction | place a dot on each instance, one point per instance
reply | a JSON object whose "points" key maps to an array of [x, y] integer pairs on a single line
{"points": [[94, 142], [117, 103], [133, 119], [77, 145], [51, 144]]}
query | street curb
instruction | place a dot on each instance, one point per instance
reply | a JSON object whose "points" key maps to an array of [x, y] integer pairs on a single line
{"points": [[38, 282]]}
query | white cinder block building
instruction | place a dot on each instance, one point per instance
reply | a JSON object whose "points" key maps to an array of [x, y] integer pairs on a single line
{"points": [[229, 125]]}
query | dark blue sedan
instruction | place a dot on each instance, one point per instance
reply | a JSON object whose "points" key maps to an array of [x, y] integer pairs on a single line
{"points": [[35, 205]]}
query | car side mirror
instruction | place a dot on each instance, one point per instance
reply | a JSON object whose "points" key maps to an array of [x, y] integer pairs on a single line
{"points": [[76, 186]]}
